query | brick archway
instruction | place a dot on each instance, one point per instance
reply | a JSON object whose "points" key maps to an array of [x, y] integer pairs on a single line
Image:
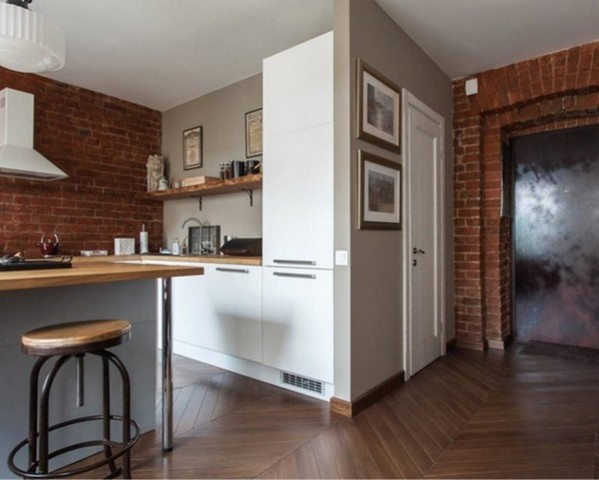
{"points": [[547, 93]]}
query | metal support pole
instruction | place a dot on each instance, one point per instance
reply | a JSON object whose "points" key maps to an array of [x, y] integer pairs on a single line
{"points": [[167, 370], [80, 380]]}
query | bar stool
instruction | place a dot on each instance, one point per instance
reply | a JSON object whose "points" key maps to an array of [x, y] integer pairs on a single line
{"points": [[74, 341]]}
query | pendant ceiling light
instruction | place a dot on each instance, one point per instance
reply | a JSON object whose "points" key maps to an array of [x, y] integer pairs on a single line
{"points": [[29, 42]]}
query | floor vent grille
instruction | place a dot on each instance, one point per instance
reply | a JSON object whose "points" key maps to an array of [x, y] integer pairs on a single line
{"points": [[302, 382]]}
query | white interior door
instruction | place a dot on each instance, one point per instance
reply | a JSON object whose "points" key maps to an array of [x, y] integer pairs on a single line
{"points": [[423, 234]]}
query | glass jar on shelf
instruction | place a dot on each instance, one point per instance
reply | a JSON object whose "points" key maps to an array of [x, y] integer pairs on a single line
{"points": [[228, 170]]}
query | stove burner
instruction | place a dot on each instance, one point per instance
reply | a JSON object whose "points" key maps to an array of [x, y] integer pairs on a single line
{"points": [[18, 261]]}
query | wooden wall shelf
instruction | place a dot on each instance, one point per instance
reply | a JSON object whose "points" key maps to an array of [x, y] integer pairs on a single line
{"points": [[249, 183]]}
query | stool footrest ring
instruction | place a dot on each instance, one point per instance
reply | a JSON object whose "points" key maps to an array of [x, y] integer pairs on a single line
{"points": [[123, 447]]}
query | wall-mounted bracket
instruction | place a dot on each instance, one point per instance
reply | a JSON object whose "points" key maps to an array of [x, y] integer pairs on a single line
{"points": [[250, 194], [249, 191]]}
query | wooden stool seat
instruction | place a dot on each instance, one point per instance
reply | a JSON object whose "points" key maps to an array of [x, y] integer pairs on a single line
{"points": [[75, 337]]}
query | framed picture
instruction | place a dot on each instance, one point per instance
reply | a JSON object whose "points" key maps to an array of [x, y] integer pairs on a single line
{"points": [[379, 187], [192, 148], [379, 109], [253, 133]]}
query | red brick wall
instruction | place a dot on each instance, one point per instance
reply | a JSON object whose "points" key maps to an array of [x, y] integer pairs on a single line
{"points": [[102, 143], [555, 91]]}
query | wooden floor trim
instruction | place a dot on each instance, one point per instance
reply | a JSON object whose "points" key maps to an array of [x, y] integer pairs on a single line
{"points": [[470, 345], [350, 409]]}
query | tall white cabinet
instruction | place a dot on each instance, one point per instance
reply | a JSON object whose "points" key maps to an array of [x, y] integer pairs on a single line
{"points": [[297, 310]]}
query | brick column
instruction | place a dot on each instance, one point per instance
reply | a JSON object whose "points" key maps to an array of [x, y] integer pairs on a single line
{"points": [[555, 91], [468, 244]]}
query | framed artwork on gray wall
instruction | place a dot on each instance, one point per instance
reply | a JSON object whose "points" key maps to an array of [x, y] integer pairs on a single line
{"points": [[192, 148], [379, 108], [379, 187], [253, 133]]}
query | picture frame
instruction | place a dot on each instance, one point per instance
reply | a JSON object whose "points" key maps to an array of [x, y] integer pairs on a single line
{"points": [[379, 108], [379, 193], [253, 133], [192, 148]]}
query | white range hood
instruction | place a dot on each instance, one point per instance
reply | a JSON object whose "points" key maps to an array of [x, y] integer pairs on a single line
{"points": [[17, 156]]}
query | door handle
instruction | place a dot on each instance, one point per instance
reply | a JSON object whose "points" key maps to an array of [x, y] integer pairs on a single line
{"points": [[294, 262], [416, 251], [294, 275], [232, 270]]}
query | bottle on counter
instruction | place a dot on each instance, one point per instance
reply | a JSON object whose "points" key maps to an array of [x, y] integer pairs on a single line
{"points": [[176, 247], [143, 240]]}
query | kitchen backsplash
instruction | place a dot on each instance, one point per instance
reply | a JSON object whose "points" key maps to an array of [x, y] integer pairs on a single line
{"points": [[103, 144]]}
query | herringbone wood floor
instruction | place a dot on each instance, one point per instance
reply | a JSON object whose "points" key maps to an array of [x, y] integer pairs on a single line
{"points": [[468, 415]]}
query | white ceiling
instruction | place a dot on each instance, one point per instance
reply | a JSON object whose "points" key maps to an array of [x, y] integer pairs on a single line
{"points": [[161, 53], [470, 36]]}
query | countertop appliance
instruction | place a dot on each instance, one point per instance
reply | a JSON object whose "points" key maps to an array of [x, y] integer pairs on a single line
{"points": [[243, 247], [17, 262]]}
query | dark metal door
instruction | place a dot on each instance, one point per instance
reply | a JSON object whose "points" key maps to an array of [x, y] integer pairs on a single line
{"points": [[556, 236]]}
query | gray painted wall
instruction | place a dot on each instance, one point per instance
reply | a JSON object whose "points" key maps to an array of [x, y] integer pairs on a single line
{"points": [[376, 260], [222, 116]]}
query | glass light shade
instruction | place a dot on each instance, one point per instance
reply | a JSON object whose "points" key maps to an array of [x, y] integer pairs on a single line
{"points": [[29, 42]]}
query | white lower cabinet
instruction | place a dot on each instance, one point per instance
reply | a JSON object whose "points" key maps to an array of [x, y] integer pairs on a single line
{"points": [[297, 321], [221, 311], [280, 319]]}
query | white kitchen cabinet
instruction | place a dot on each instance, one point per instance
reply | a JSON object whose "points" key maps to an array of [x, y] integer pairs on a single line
{"points": [[298, 210], [298, 87], [235, 295], [297, 321], [190, 307], [298, 156], [297, 220], [222, 312]]}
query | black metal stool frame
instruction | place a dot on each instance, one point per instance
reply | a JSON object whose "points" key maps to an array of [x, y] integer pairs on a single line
{"points": [[38, 465]]}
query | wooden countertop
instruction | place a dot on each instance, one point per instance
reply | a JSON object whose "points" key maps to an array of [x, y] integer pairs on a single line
{"points": [[92, 271], [176, 259], [227, 259]]}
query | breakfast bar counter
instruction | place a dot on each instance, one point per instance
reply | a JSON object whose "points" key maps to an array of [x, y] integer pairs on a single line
{"points": [[96, 271], [93, 288]]}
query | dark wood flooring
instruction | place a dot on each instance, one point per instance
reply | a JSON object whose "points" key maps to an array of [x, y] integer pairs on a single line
{"points": [[468, 415]]}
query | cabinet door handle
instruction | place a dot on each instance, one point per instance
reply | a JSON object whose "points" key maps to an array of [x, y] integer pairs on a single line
{"points": [[295, 262], [232, 270], [294, 275]]}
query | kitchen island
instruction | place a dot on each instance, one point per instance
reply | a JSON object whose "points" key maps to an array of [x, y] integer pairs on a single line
{"points": [[94, 271], [92, 288]]}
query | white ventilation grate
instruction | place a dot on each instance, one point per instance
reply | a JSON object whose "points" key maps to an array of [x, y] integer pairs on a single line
{"points": [[302, 382]]}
